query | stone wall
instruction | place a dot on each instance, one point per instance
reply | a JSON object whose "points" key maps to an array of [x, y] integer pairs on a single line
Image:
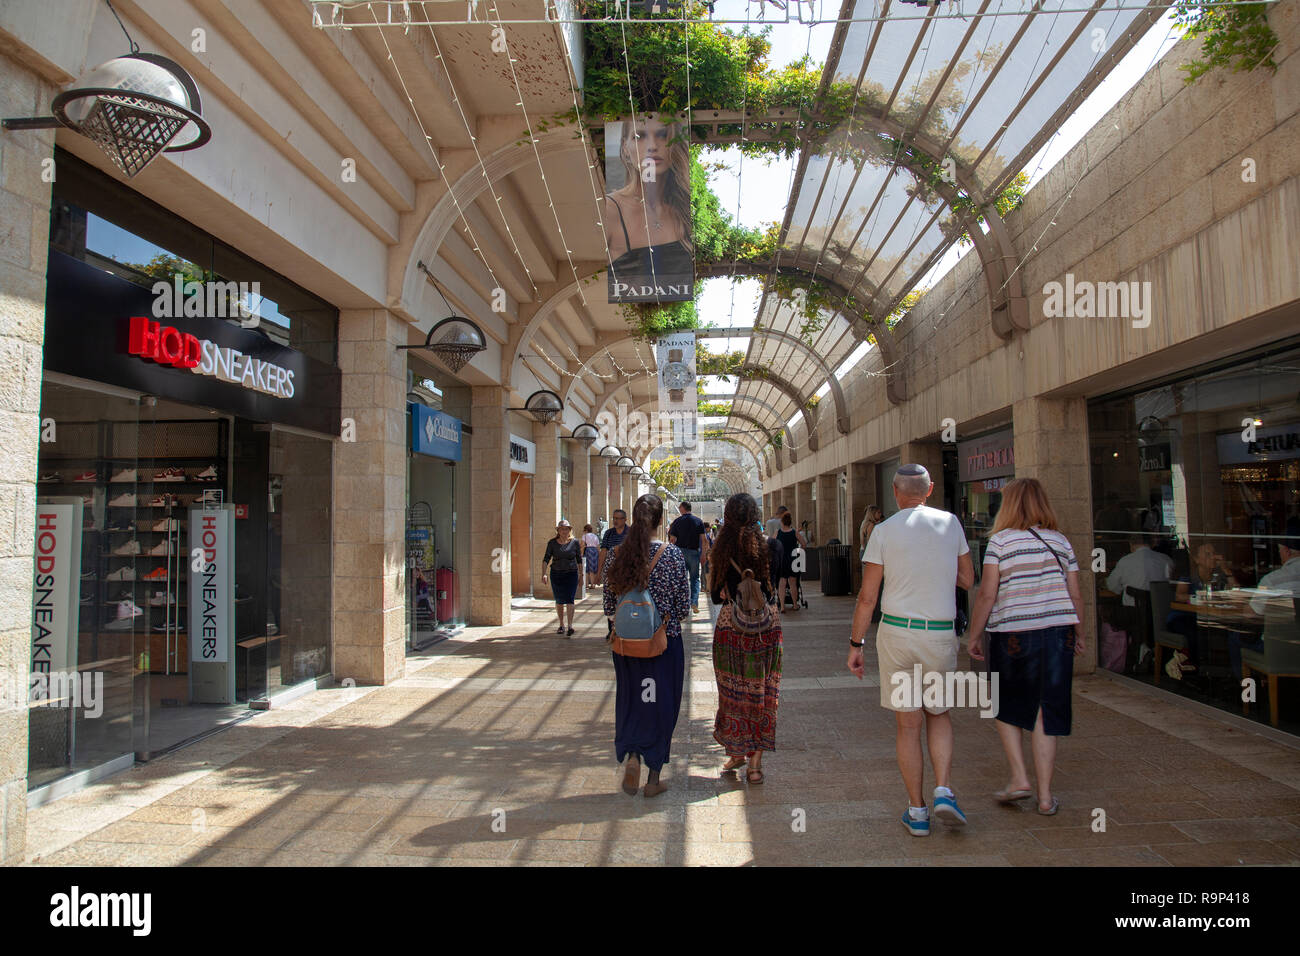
{"points": [[24, 238]]}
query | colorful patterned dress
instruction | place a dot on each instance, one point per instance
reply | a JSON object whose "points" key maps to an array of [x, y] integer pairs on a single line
{"points": [[648, 697], [747, 669]]}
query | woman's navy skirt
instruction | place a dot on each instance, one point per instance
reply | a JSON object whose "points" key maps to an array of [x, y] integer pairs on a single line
{"points": [[565, 585], [1035, 671], [592, 555]]}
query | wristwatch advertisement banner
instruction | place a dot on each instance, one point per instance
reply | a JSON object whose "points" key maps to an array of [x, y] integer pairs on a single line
{"points": [[675, 356]]}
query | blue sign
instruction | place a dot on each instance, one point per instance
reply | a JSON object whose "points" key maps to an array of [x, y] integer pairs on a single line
{"points": [[434, 433]]}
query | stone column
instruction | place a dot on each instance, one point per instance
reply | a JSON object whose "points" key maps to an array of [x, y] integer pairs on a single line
{"points": [[580, 491], [1051, 439], [628, 484], [827, 523], [930, 455], [599, 477], [489, 463], [803, 506], [547, 494], [24, 245], [862, 492], [370, 500]]}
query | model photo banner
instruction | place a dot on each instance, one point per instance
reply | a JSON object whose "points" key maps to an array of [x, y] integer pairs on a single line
{"points": [[647, 212], [675, 356]]}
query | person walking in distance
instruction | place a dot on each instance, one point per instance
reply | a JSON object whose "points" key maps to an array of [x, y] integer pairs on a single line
{"points": [[560, 562], [1029, 602], [609, 543], [686, 533], [746, 639], [590, 554], [790, 540], [648, 690], [920, 552]]}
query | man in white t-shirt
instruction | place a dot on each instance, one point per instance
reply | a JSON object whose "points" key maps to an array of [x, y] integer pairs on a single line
{"points": [[921, 552], [1138, 569], [774, 524]]}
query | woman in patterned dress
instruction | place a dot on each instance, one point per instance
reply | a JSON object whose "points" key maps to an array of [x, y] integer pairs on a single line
{"points": [[643, 728], [747, 667]]}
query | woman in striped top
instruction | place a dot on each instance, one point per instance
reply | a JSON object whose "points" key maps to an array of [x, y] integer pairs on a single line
{"points": [[1029, 602]]}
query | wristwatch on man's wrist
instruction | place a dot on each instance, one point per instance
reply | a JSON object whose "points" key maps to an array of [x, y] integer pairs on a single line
{"points": [[854, 643]]}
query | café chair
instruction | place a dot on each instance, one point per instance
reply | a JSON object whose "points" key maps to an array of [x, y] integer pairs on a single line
{"points": [[1280, 658], [1162, 596]]}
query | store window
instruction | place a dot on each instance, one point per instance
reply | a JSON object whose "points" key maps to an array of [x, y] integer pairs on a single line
{"points": [[1196, 495], [147, 459], [984, 466]]}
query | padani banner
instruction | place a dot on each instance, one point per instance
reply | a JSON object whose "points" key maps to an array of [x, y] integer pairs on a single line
{"points": [[647, 212]]}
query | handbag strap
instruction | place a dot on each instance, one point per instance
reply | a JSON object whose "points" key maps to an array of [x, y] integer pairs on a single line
{"points": [[1059, 563]]}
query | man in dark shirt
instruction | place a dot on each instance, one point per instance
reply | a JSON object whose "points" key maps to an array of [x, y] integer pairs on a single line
{"points": [[685, 532]]}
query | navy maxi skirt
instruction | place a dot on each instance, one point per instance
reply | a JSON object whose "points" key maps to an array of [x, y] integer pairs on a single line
{"points": [[647, 702]]}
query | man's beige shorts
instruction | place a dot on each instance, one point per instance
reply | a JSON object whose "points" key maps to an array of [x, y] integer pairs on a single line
{"points": [[899, 651]]}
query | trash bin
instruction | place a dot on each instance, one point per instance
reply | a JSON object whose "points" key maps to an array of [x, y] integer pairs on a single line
{"points": [[835, 569], [813, 561]]}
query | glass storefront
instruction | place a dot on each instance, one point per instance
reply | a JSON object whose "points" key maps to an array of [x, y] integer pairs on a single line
{"points": [[185, 475], [1196, 491], [437, 539], [984, 465]]}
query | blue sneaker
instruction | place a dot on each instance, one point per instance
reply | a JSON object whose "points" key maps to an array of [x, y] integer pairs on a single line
{"points": [[918, 828], [946, 809]]}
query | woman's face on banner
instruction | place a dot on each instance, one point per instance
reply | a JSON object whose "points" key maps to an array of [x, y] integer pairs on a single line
{"points": [[648, 147]]}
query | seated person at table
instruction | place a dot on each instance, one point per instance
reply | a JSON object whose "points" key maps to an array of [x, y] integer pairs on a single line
{"points": [[1138, 568], [1205, 570], [1278, 609]]}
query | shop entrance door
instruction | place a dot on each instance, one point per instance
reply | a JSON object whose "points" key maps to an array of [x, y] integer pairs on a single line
{"points": [[521, 535]]}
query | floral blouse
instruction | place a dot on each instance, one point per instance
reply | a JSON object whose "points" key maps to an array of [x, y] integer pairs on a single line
{"points": [[670, 588]]}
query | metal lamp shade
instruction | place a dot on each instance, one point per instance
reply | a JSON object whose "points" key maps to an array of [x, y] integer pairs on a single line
{"points": [[544, 406], [586, 433], [455, 340], [135, 107]]}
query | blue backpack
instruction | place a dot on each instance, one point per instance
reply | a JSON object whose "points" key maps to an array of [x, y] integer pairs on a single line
{"points": [[639, 629]]}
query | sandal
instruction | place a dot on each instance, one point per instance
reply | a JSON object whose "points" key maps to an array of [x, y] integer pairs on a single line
{"points": [[654, 789], [1011, 796], [754, 775], [631, 775], [1050, 811], [732, 763]]}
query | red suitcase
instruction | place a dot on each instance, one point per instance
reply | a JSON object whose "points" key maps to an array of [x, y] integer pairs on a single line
{"points": [[448, 595]]}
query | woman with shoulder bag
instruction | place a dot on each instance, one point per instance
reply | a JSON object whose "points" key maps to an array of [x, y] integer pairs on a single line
{"points": [[643, 729], [746, 639], [1030, 603]]}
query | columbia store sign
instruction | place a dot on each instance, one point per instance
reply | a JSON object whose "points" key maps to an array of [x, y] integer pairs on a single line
{"points": [[170, 346]]}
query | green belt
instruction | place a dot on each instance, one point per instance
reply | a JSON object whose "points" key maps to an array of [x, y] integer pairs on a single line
{"points": [[916, 623]]}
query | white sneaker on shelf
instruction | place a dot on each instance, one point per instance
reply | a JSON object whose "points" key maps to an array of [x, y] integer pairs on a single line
{"points": [[125, 619], [121, 574], [161, 548], [211, 496], [207, 474], [165, 524], [127, 548], [161, 599], [125, 475], [124, 500]]}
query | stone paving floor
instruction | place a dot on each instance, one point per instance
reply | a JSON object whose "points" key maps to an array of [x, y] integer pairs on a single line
{"points": [[514, 726]]}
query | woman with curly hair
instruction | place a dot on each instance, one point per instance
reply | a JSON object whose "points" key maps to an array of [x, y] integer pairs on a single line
{"points": [[746, 655], [643, 729]]}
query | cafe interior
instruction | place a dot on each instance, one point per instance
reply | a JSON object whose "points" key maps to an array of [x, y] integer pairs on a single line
{"points": [[1204, 471]]}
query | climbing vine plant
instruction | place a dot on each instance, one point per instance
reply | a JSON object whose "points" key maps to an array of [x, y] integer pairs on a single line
{"points": [[1236, 37]]}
